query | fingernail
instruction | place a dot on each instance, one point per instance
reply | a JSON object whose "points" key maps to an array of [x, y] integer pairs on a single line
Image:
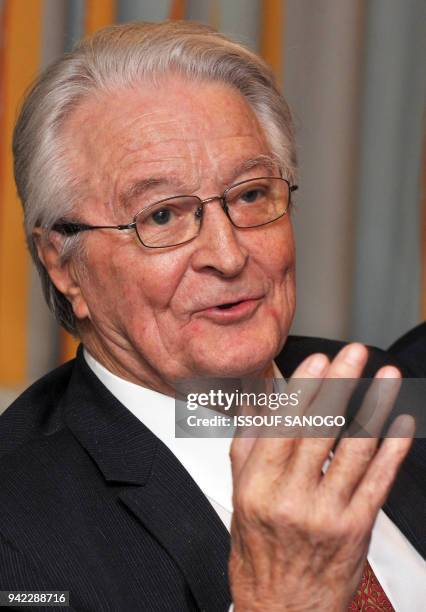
{"points": [[354, 354], [316, 364]]}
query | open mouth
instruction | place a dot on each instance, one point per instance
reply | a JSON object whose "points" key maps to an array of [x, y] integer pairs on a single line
{"points": [[227, 306], [232, 312]]}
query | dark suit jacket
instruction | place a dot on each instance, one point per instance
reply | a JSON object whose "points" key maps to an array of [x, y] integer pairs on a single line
{"points": [[93, 503]]}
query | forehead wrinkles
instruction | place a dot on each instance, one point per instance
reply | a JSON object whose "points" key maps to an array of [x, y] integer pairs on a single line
{"points": [[153, 138], [150, 129], [118, 143], [196, 138]]}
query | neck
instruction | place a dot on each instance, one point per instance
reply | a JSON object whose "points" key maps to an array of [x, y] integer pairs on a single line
{"points": [[125, 364]]}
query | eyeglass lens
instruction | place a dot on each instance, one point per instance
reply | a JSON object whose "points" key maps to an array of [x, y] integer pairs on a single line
{"points": [[177, 220]]}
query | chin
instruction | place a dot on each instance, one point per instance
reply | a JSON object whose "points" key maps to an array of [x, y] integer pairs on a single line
{"points": [[245, 357]]}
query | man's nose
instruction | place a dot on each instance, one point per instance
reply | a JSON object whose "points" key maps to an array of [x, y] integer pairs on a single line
{"points": [[218, 245]]}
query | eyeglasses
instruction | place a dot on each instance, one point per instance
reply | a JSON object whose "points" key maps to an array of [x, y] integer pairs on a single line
{"points": [[177, 220]]}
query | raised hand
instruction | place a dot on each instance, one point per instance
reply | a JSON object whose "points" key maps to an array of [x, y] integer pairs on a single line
{"points": [[299, 537]]}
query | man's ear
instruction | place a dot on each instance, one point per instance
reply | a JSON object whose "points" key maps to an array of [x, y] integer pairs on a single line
{"points": [[63, 274]]}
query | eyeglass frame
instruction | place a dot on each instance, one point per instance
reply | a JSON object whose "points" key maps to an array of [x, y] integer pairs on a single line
{"points": [[70, 228]]}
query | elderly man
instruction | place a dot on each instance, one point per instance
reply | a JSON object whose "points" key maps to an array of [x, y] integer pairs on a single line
{"points": [[155, 164]]}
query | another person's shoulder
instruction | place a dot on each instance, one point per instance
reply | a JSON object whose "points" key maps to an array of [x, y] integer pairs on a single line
{"points": [[408, 353]]}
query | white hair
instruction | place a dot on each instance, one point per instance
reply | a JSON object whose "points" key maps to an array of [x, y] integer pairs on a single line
{"points": [[125, 55]]}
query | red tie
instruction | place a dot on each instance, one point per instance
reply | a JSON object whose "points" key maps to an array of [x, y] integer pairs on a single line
{"points": [[369, 596]]}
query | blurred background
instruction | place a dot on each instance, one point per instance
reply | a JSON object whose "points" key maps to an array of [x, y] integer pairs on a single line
{"points": [[354, 74]]}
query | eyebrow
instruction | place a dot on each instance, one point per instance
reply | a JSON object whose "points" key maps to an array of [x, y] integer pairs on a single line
{"points": [[141, 186], [265, 161]]}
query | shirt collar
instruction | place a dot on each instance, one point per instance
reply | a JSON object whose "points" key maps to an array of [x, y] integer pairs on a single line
{"points": [[206, 459]]}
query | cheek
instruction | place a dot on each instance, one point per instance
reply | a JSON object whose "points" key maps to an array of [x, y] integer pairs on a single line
{"points": [[132, 280], [276, 258], [275, 252]]}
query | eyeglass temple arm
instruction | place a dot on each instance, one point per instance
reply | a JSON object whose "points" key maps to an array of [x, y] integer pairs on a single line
{"points": [[70, 229]]}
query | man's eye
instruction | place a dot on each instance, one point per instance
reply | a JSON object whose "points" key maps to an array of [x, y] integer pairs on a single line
{"points": [[162, 216], [252, 195]]}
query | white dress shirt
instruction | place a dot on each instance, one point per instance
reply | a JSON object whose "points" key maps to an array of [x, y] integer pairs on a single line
{"points": [[397, 565]]}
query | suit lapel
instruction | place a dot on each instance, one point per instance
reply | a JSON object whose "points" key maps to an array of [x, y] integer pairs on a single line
{"points": [[161, 493], [175, 511]]}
